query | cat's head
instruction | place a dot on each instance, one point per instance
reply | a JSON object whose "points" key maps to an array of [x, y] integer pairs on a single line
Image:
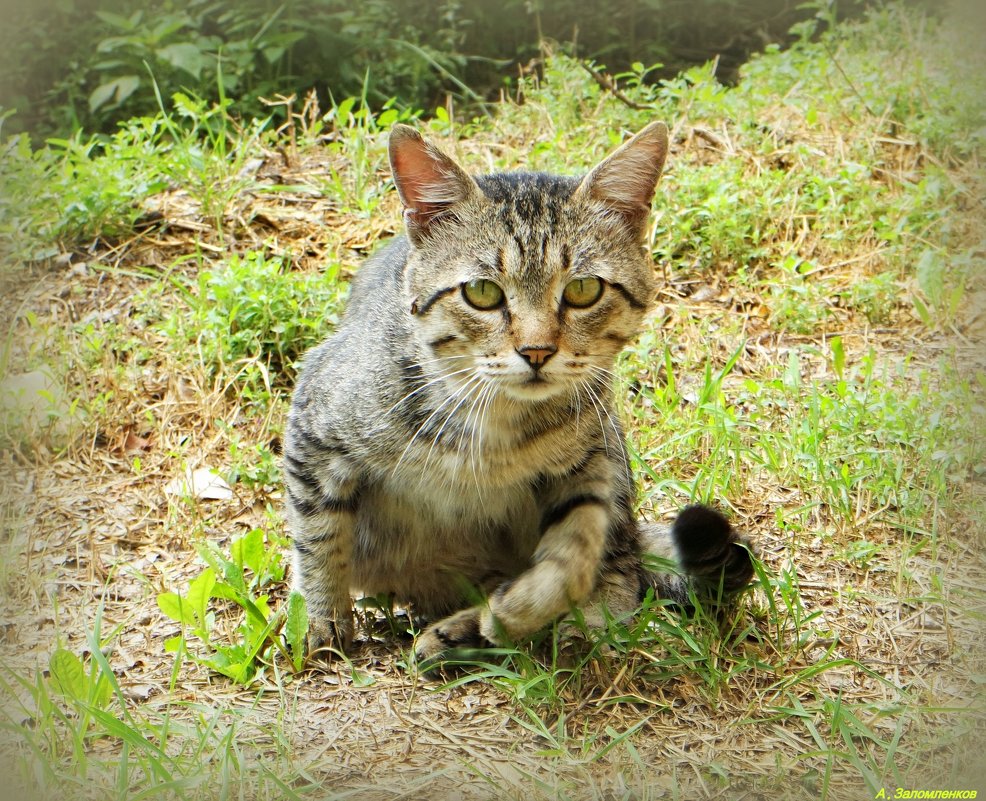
{"points": [[530, 281]]}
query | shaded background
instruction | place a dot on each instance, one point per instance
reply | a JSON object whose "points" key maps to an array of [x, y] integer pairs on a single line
{"points": [[84, 64]]}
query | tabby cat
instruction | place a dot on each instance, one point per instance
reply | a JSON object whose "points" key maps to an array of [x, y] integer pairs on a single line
{"points": [[455, 443]]}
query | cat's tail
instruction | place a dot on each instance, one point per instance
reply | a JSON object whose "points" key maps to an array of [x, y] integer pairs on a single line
{"points": [[709, 557]]}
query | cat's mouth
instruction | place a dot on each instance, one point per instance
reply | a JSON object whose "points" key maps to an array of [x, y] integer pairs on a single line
{"points": [[536, 387]]}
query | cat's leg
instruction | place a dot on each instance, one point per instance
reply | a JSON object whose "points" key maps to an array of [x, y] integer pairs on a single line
{"points": [[619, 589], [322, 502], [562, 575], [711, 559]]}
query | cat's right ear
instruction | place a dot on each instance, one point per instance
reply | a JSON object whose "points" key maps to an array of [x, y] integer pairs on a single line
{"points": [[429, 183]]}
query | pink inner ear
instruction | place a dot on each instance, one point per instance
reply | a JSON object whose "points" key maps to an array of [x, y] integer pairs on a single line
{"points": [[413, 171], [426, 179]]}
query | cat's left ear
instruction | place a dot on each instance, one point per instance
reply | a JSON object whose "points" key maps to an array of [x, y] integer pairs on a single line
{"points": [[429, 183], [625, 181]]}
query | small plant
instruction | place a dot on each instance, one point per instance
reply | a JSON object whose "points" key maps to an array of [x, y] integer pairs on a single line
{"points": [[358, 187], [253, 465], [208, 151], [875, 297], [81, 683], [254, 563], [76, 189], [941, 281], [797, 304], [253, 318]]}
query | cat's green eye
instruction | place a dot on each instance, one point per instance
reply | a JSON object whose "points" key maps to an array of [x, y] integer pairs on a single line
{"points": [[583, 292], [482, 294]]}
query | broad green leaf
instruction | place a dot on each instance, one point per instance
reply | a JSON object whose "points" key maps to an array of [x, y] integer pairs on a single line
{"points": [[240, 672], [922, 310], [101, 95], [261, 639], [273, 54], [68, 676], [296, 628], [343, 110], [361, 679], [117, 21], [792, 375], [227, 593], [126, 85], [263, 606], [838, 355], [117, 90], [199, 593], [176, 607], [184, 56], [167, 26], [102, 691], [229, 570], [257, 615], [234, 662], [248, 551]]}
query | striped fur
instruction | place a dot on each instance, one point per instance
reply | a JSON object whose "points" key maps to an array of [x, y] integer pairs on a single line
{"points": [[468, 460]]}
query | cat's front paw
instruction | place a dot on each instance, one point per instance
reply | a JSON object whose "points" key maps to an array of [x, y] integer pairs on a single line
{"points": [[460, 630], [329, 635]]}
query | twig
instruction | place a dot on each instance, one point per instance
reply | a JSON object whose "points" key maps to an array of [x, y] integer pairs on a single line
{"points": [[712, 138], [606, 82], [847, 79]]}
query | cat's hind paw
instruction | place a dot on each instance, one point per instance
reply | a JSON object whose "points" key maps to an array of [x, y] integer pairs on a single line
{"points": [[328, 637], [452, 633]]}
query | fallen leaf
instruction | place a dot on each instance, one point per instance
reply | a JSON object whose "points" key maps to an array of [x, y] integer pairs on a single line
{"points": [[203, 483], [134, 445], [138, 692]]}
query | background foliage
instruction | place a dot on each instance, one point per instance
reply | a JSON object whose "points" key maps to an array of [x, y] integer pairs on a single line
{"points": [[68, 64]]}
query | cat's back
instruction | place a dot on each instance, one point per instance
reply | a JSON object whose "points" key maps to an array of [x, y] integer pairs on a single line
{"points": [[375, 290], [348, 369]]}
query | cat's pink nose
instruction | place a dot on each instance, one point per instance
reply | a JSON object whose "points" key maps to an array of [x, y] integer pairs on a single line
{"points": [[537, 355]]}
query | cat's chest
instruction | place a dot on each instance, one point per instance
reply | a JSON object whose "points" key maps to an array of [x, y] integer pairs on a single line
{"points": [[495, 457], [483, 475], [452, 500]]}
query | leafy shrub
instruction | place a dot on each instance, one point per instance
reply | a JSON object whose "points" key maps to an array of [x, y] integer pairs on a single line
{"points": [[875, 297], [72, 191], [75, 189], [86, 63]]}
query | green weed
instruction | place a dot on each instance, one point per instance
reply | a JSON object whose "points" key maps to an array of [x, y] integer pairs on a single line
{"points": [[359, 146], [251, 319], [75, 190], [254, 562], [876, 297]]}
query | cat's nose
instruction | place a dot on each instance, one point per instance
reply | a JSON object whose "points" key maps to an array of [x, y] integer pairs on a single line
{"points": [[537, 355]]}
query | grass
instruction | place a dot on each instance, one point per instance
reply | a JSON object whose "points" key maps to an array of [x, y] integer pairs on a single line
{"points": [[811, 366]]}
